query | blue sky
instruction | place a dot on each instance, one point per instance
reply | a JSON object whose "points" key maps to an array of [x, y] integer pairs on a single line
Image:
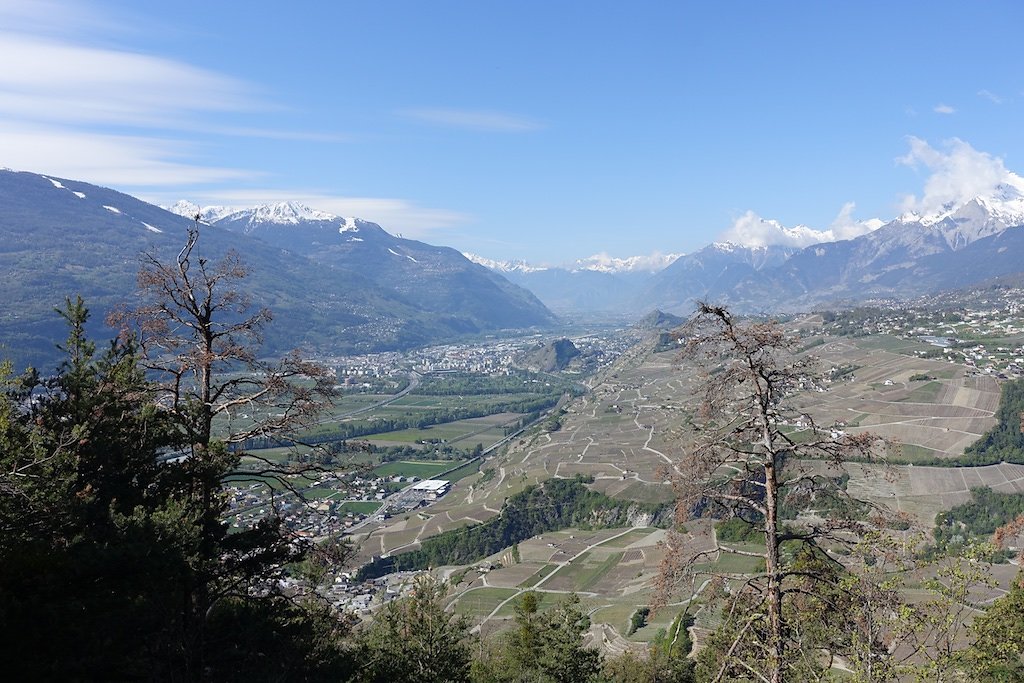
{"points": [[545, 130]]}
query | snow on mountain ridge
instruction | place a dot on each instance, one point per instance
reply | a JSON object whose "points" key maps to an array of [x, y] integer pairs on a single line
{"points": [[604, 263], [207, 214], [503, 266], [286, 213], [963, 222], [184, 207], [601, 263]]}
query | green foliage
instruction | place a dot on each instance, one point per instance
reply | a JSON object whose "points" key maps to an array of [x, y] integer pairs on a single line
{"points": [[987, 511], [997, 651], [638, 620], [554, 421], [824, 495], [253, 640], [546, 647], [667, 658], [414, 639], [737, 530], [1005, 441], [87, 531], [555, 504], [486, 475], [111, 566], [667, 341]]}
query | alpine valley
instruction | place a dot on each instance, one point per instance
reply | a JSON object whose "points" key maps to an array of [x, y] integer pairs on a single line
{"points": [[340, 285], [960, 245], [332, 284]]}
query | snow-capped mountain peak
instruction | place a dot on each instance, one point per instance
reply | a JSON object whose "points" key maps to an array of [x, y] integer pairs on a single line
{"points": [[281, 213], [207, 214], [604, 263], [288, 213], [963, 222], [1005, 203], [503, 266], [184, 207]]}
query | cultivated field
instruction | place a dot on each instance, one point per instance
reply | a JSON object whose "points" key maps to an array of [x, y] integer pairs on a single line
{"points": [[629, 432]]}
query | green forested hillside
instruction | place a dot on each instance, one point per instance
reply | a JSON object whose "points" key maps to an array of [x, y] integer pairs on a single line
{"points": [[554, 504]]}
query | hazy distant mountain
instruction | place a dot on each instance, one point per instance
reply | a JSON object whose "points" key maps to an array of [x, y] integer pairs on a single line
{"points": [[955, 246], [709, 274], [767, 266], [438, 280], [596, 284], [63, 237]]}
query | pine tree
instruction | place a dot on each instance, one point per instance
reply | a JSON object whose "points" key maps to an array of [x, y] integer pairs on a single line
{"points": [[415, 639], [200, 339]]}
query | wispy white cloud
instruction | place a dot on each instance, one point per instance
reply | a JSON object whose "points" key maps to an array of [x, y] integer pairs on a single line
{"points": [[72, 104], [53, 17], [491, 121], [752, 230], [943, 109], [990, 96], [957, 173], [58, 81], [394, 215], [845, 227], [119, 160]]}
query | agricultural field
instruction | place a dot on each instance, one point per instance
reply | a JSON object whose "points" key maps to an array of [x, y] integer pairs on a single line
{"points": [[612, 570], [629, 432], [360, 507], [938, 417], [460, 433], [424, 469]]}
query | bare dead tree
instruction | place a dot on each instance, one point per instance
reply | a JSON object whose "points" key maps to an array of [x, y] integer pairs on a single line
{"points": [[200, 339], [747, 460]]}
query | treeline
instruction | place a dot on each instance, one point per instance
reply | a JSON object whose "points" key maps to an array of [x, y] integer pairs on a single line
{"points": [[987, 511], [1002, 443], [415, 640], [554, 504], [115, 565], [477, 385], [1005, 441], [351, 430], [338, 453]]}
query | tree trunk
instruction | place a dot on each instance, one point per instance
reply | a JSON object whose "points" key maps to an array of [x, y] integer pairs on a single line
{"points": [[773, 569]]}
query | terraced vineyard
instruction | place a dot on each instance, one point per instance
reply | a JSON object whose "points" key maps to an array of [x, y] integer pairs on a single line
{"points": [[629, 430]]}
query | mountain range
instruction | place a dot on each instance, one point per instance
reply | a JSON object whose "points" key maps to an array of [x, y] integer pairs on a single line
{"points": [[341, 285], [439, 281], [334, 285], [598, 284], [960, 244]]}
